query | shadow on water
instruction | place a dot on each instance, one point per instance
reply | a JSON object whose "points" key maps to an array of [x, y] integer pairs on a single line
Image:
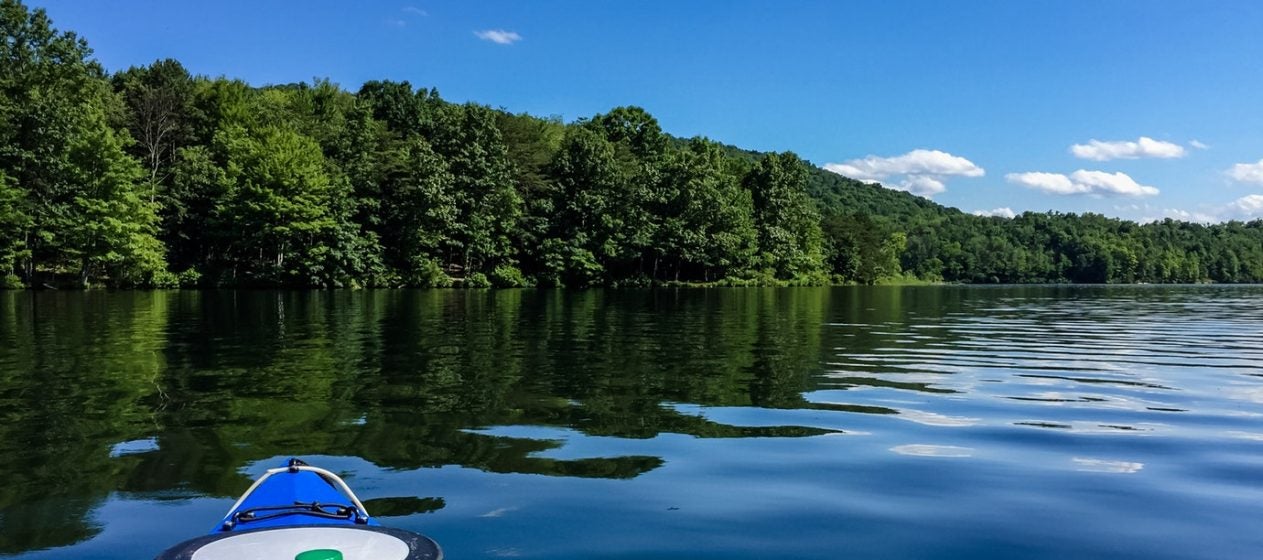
{"points": [[169, 395]]}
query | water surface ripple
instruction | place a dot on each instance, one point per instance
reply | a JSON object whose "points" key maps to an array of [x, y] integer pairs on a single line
{"points": [[885, 422]]}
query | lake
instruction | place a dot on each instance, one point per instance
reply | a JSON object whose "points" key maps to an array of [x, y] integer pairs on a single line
{"points": [[850, 422]]}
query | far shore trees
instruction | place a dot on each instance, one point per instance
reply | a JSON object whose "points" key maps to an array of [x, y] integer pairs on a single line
{"points": [[153, 177]]}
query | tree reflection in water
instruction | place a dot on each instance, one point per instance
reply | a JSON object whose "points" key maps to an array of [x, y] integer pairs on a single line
{"points": [[402, 379]]}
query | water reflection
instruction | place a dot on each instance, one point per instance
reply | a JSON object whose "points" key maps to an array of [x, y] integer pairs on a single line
{"points": [[168, 395], [942, 395]]}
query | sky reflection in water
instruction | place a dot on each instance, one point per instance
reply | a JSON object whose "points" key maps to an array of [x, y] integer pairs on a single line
{"points": [[927, 422]]}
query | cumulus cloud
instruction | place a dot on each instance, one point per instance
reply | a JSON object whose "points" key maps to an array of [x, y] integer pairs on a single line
{"points": [[1246, 208], [1054, 183], [920, 185], [498, 36], [1097, 183], [920, 172], [1004, 212], [1186, 216], [1118, 183], [1145, 147], [1247, 173], [916, 162]]}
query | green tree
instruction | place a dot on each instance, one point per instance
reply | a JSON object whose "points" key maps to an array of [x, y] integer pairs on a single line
{"points": [[159, 102], [707, 228], [198, 184], [583, 233], [639, 151], [274, 218], [487, 201], [113, 230], [420, 215], [788, 224], [634, 129], [81, 211], [13, 222]]}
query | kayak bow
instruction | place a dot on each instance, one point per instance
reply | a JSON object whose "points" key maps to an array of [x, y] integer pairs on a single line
{"points": [[302, 512]]}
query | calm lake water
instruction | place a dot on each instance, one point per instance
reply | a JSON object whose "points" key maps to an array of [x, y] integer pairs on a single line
{"points": [[916, 422]]}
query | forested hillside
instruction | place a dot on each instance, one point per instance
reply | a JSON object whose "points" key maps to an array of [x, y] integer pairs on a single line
{"points": [[153, 177]]}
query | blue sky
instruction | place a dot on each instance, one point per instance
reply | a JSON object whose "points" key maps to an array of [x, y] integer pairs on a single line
{"points": [[976, 104]]}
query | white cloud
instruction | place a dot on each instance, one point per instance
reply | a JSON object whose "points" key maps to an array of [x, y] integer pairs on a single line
{"points": [[1118, 183], [1247, 207], [1145, 147], [916, 162], [1198, 144], [415, 11], [1099, 183], [1247, 173], [498, 36], [920, 172], [1186, 216], [1054, 183], [1004, 212], [920, 185]]}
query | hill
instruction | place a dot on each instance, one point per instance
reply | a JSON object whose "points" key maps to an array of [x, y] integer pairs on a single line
{"points": [[152, 177]]}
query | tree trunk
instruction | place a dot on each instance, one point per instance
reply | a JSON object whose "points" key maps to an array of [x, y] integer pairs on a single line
{"points": [[28, 265]]}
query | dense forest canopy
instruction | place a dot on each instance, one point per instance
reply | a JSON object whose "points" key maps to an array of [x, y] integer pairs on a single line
{"points": [[153, 177]]}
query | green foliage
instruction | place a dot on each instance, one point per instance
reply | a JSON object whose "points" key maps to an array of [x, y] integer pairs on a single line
{"points": [[477, 280], [584, 226], [159, 102], [113, 230], [426, 273], [508, 276], [274, 211], [634, 130], [163, 280], [70, 201], [117, 180], [788, 224], [419, 216], [190, 278], [706, 229], [487, 204], [13, 223]]}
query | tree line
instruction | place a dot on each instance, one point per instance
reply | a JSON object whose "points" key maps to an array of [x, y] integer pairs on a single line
{"points": [[945, 244], [153, 177]]}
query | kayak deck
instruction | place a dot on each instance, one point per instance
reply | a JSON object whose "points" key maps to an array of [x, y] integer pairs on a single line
{"points": [[352, 543], [297, 494], [301, 511]]}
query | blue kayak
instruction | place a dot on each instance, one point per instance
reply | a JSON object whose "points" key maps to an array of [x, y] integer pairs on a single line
{"points": [[302, 512]]}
